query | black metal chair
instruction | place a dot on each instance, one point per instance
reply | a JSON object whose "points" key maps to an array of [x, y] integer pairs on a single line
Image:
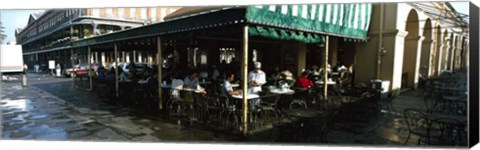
{"points": [[300, 99], [214, 109], [417, 124], [267, 106], [447, 132], [229, 112], [386, 105]]}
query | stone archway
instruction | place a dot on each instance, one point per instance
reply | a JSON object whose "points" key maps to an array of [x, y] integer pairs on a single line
{"points": [[438, 51], [411, 51], [443, 57], [427, 48], [451, 51]]}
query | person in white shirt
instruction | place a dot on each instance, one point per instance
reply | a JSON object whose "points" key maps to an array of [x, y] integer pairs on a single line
{"points": [[191, 80], [257, 78], [227, 89]]}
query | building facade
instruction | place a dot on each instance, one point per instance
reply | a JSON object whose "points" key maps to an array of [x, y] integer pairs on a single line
{"points": [[48, 33], [408, 37], [404, 40]]}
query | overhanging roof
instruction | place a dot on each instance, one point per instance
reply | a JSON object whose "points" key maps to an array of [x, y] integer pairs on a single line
{"points": [[304, 23]]}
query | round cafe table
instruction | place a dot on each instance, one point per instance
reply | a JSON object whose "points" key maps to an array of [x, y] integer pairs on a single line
{"points": [[320, 82], [282, 91], [249, 96]]}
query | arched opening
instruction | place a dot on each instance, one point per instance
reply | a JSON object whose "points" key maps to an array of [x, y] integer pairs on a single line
{"points": [[410, 61], [451, 52], [427, 49], [444, 53], [438, 50]]}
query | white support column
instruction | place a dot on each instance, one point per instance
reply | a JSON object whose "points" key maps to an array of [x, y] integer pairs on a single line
{"points": [[103, 58], [134, 56], [96, 58], [325, 72], [245, 79], [140, 57]]}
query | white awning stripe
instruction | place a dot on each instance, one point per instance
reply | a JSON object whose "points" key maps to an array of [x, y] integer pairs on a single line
{"points": [[351, 15], [357, 15], [272, 8], [368, 17], [313, 12], [304, 11], [284, 9], [364, 14], [328, 15], [342, 7], [295, 10], [320, 13]]}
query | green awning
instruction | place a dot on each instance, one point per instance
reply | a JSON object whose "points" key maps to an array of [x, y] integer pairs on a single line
{"points": [[303, 23], [350, 21]]}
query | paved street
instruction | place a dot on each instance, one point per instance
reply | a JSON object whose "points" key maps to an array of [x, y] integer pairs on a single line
{"points": [[51, 108]]}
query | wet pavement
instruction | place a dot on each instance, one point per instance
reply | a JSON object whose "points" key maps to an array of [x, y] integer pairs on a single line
{"points": [[51, 108]]}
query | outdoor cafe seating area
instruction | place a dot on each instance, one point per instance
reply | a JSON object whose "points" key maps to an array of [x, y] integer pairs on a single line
{"points": [[278, 108], [444, 119], [292, 114]]}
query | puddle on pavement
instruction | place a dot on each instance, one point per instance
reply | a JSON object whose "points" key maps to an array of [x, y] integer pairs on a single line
{"points": [[16, 87], [21, 104], [39, 117], [21, 118], [45, 132]]}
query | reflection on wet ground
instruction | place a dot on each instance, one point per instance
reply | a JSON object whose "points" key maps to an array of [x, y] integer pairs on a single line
{"points": [[57, 111]]}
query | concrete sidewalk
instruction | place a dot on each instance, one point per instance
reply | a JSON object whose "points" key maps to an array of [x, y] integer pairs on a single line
{"points": [[52, 109]]}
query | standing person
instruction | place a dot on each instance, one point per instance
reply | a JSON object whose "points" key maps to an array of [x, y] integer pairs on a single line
{"points": [[25, 68], [257, 78], [215, 73], [58, 68]]}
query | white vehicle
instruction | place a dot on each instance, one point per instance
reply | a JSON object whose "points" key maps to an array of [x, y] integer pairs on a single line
{"points": [[11, 59]]}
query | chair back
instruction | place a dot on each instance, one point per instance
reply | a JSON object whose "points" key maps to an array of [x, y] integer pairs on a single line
{"points": [[224, 101], [271, 98], [452, 131], [431, 102], [415, 119]]}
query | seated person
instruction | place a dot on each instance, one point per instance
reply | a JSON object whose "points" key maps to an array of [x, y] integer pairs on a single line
{"points": [[286, 77], [101, 74], [191, 81], [303, 81], [314, 73], [227, 89], [124, 76]]}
